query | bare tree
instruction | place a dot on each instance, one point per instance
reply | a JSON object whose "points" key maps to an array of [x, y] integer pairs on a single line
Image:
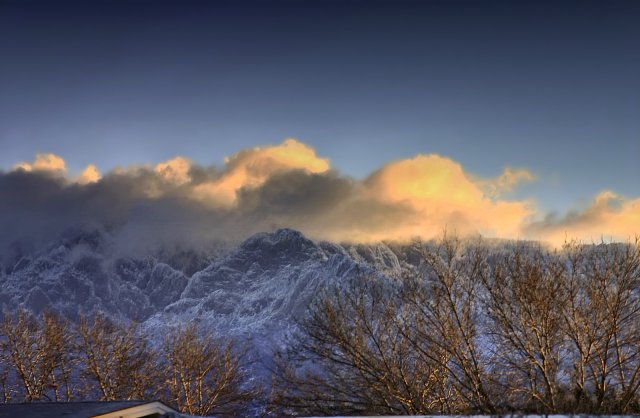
{"points": [[525, 295], [444, 314], [59, 355], [117, 360], [6, 371], [39, 354], [202, 375], [355, 359], [515, 328], [472, 329], [602, 317]]}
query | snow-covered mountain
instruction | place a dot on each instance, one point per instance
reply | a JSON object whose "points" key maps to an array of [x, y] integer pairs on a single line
{"points": [[256, 290]]}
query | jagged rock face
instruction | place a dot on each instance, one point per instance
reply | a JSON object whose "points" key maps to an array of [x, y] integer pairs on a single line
{"points": [[259, 288], [254, 293], [264, 284], [77, 276]]}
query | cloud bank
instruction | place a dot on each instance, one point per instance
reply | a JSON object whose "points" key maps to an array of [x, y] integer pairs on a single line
{"points": [[608, 217], [180, 203]]}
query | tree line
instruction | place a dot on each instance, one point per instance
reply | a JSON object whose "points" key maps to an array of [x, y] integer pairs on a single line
{"points": [[476, 329], [47, 358], [473, 329]]}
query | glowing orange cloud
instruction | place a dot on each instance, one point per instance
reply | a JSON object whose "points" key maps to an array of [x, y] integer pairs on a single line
{"points": [[444, 195], [44, 162], [90, 174], [250, 168], [507, 181], [290, 185], [175, 171], [55, 164], [608, 217]]}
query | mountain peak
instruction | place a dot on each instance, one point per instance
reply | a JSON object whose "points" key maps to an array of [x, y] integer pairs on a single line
{"points": [[284, 239], [289, 234]]}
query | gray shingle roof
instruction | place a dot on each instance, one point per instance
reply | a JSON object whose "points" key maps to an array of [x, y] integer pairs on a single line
{"points": [[63, 409]]}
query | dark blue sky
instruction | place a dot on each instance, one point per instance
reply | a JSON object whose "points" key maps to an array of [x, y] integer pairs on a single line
{"points": [[553, 87]]}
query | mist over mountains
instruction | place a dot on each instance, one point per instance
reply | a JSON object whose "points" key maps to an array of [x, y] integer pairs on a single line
{"points": [[259, 286], [180, 205]]}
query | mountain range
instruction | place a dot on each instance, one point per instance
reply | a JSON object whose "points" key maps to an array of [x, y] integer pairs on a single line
{"points": [[255, 291]]}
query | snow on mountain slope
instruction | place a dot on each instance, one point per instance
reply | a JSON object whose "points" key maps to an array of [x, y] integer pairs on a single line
{"points": [[254, 293], [77, 276], [262, 286], [257, 288]]}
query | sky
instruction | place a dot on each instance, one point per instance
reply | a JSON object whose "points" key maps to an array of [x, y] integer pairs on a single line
{"points": [[509, 118]]}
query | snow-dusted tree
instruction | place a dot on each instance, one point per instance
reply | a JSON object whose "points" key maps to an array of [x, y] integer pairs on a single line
{"points": [[117, 359], [602, 320], [357, 355], [524, 300], [203, 375], [38, 352], [443, 322], [58, 338]]}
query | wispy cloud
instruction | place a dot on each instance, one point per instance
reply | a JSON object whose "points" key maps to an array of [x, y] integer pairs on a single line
{"points": [[608, 217]]}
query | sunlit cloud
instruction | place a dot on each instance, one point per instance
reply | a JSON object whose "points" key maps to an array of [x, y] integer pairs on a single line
{"points": [[90, 174], [506, 182], [445, 196], [289, 185], [44, 162], [54, 164], [175, 171], [250, 168], [609, 217]]}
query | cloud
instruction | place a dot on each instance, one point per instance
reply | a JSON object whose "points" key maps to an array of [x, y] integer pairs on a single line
{"points": [[609, 216], [175, 171], [443, 195], [56, 165], [323, 205], [251, 168], [90, 174], [406, 199], [506, 182], [179, 203], [44, 162]]}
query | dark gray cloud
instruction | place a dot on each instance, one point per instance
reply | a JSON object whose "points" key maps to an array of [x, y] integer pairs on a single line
{"points": [[37, 207], [178, 205]]}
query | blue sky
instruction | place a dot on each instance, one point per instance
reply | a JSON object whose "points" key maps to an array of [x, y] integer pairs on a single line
{"points": [[551, 87]]}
